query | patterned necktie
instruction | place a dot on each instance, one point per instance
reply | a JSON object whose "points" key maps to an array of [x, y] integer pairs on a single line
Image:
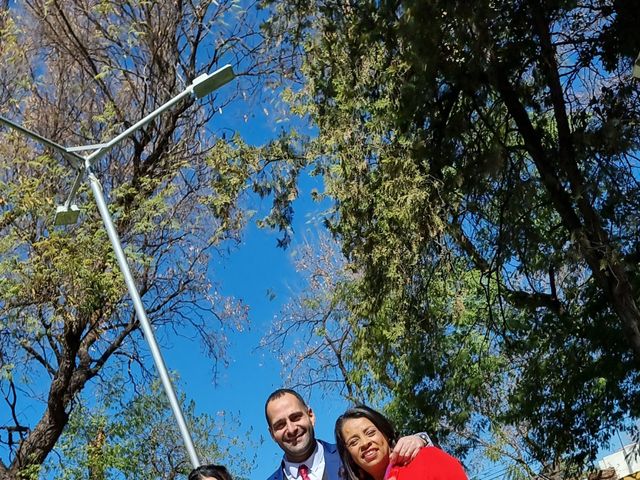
{"points": [[304, 472]]}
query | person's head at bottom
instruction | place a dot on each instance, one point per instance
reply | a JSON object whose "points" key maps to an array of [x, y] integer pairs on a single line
{"points": [[210, 472], [365, 439]]}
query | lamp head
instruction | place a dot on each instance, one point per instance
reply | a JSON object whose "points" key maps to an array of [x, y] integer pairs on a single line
{"points": [[66, 215], [205, 84]]}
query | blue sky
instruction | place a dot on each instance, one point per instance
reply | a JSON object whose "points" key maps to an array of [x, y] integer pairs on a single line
{"points": [[253, 373], [252, 272], [255, 271]]}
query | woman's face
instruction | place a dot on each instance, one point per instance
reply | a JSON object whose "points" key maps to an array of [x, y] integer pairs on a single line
{"points": [[368, 447]]}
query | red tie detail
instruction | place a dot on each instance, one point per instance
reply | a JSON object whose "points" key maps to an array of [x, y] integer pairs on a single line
{"points": [[304, 472]]}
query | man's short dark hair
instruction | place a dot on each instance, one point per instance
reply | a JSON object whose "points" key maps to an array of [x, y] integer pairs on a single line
{"points": [[281, 392]]}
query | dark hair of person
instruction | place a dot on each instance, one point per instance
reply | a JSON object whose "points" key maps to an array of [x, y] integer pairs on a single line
{"points": [[353, 472], [210, 471], [281, 392]]}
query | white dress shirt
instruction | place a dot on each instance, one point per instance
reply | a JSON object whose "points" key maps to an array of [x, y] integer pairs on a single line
{"points": [[315, 463]]}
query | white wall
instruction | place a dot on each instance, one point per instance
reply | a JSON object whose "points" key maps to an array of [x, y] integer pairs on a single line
{"points": [[625, 461]]}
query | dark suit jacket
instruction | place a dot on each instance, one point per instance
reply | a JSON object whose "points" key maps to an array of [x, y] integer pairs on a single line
{"points": [[332, 464]]}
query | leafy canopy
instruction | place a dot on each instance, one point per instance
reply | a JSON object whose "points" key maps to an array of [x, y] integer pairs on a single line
{"points": [[487, 152]]}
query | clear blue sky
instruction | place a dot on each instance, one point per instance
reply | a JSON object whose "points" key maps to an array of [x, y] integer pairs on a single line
{"points": [[251, 272], [253, 373]]}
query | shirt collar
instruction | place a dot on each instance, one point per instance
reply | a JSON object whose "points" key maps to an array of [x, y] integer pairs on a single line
{"points": [[315, 463]]}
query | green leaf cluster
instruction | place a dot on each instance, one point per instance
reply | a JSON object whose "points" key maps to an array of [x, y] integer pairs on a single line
{"points": [[114, 436]]}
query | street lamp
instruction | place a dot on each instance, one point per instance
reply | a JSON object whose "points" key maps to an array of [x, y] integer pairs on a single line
{"points": [[68, 214]]}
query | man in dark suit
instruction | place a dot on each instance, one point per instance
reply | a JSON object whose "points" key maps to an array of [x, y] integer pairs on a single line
{"points": [[291, 424]]}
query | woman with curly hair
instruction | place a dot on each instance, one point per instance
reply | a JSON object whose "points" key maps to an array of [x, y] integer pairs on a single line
{"points": [[365, 439]]}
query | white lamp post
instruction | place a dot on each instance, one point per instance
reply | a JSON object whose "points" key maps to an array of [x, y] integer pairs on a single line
{"points": [[68, 213]]}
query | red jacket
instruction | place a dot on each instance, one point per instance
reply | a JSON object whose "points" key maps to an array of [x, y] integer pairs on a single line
{"points": [[430, 464]]}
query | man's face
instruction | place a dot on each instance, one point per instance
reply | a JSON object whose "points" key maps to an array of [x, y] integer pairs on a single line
{"points": [[291, 426]]}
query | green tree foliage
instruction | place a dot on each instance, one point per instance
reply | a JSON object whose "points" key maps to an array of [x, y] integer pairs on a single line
{"points": [[138, 438], [79, 72], [483, 160], [444, 373]]}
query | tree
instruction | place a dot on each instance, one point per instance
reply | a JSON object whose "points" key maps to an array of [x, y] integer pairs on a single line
{"points": [[136, 438], [77, 72], [312, 335], [494, 143]]}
